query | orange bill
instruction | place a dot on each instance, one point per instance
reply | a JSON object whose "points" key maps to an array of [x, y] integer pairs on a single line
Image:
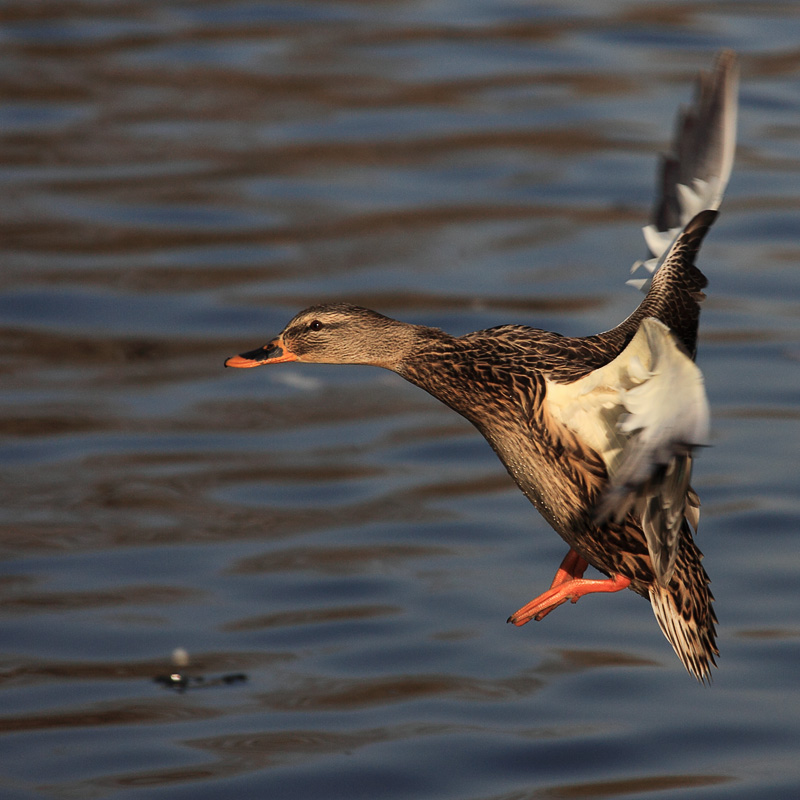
{"points": [[273, 353]]}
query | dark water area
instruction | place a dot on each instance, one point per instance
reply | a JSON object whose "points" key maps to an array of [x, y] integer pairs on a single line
{"points": [[178, 179]]}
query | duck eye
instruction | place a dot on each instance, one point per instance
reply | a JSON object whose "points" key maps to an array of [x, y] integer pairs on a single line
{"points": [[316, 325]]}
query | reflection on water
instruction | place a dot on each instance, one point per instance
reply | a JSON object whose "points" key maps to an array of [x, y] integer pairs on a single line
{"points": [[178, 180]]}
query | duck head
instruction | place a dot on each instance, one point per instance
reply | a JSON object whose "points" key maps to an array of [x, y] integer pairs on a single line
{"points": [[335, 333]]}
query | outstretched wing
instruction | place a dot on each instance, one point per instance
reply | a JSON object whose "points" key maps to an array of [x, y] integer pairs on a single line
{"points": [[643, 412], [693, 177]]}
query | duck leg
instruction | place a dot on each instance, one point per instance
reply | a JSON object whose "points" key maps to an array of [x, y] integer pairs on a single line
{"points": [[568, 584], [571, 568]]}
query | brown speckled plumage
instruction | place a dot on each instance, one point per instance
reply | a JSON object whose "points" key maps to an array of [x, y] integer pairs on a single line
{"points": [[557, 409], [496, 379]]}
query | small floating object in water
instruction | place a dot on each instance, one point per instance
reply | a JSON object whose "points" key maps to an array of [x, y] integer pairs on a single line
{"points": [[180, 680]]}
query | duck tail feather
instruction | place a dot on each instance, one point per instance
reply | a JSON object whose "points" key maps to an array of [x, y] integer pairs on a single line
{"points": [[687, 620]]}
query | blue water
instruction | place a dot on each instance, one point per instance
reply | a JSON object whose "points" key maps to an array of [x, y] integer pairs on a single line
{"points": [[178, 180]]}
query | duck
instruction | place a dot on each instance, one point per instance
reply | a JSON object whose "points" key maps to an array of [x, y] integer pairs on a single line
{"points": [[599, 432]]}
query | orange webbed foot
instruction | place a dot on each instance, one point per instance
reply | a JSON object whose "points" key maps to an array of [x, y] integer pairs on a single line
{"points": [[568, 584]]}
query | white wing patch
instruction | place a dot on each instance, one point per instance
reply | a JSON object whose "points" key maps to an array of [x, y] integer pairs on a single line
{"points": [[643, 413]]}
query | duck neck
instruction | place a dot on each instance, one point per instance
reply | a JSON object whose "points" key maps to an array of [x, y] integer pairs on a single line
{"points": [[398, 344], [448, 368]]}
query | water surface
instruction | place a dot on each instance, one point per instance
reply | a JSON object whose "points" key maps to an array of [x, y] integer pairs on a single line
{"points": [[178, 180]]}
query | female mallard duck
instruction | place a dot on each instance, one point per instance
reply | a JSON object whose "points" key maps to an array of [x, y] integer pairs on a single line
{"points": [[597, 431]]}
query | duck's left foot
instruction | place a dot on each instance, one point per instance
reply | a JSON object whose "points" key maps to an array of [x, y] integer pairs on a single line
{"points": [[572, 566], [568, 584]]}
